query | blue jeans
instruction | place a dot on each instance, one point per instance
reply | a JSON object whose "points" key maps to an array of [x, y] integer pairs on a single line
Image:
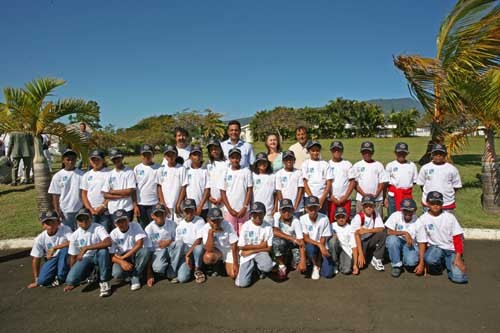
{"points": [[70, 220], [396, 246], [140, 260], [82, 269], [55, 266], [185, 273], [327, 264], [105, 220], [166, 261], [392, 205], [434, 259]]}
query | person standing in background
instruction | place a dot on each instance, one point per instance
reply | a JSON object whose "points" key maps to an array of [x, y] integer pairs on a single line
{"points": [[300, 147], [21, 147], [234, 141]]}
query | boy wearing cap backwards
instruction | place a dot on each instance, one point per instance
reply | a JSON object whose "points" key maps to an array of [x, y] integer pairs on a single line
{"points": [[221, 243], [264, 183], [406, 236], [439, 175], [370, 178], [255, 243], [369, 233], [290, 183], [128, 255], [147, 179], [236, 191], [196, 182], [445, 239], [160, 242], [288, 240], [342, 245], [91, 186], [317, 175], [188, 237], [65, 190], [316, 229], [343, 181], [88, 247], [172, 178], [119, 187], [402, 176], [52, 244]]}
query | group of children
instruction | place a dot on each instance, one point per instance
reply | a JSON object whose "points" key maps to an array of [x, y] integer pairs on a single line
{"points": [[227, 219]]}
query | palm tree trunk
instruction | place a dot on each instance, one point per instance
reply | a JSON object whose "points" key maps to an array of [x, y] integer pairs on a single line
{"points": [[490, 197], [42, 177]]}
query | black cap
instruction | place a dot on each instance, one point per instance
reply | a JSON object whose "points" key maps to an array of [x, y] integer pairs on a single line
{"points": [[83, 212], [261, 157], [434, 196], [288, 153], [368, 199], [69, 152], [286, 203], [159, 207], [97, 154], [401, 147], [147, 149], [48, 215], [258, 207], [313, 143], [367, 145], [170, 148], [311, 201], [234, 151], [213, 142], [115, 153], [336, 145], [188, 204], [120, 214], [438, 147], [340, 211], [215, 214], [408, 204], [196, 148]]}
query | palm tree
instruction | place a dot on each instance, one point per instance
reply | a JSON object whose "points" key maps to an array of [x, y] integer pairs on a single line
{"points": [[212, 125], [28, 110]]}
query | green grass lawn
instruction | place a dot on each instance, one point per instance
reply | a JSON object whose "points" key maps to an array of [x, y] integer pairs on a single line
{"points": [[18, 216]]}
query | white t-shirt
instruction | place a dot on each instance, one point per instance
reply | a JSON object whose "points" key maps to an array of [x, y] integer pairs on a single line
{"points": [[80, 238], [189, 232], [158, 233], [401, 175], [293, 229], [370, 223], [288, 183], [342, 174], [43, 242], [443, 178], [124, 241], [235, 184], [196, 182], [222, 240], [147, 179], [171, 180], [415, 227], [369, 176], [67, 185], [320, 228], [92, 182], [184, 153], [441, 229], [251, 234], [316, 173], [120, 180], [216, 172], [345, 235], [263, 190]]}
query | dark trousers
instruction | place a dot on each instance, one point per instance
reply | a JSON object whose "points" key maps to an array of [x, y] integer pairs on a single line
{"points": [[15, 167], [374, 245]]}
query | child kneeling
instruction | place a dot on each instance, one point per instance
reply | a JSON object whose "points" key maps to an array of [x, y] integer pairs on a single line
{"points": [[342, 245]]}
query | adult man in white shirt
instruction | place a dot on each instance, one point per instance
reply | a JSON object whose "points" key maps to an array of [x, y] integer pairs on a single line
{"points": [[234, 141], [300, 147], [183, 149]]}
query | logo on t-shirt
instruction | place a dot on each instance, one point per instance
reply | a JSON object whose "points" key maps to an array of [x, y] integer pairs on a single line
{"points": [[112, 180], [309, 228], [140, 173], [284, 179], [82, 242], [189, 177], [89, 178], [399, 227], [429, 227], [49, 246]]}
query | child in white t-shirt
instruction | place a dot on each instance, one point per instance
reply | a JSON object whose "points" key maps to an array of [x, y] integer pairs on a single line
{"points": [[188, 237], [370, 236], [216, 167], [236, 191], [221, 243], [445, 240], [317, 175], [343, 181], [147, 178], [165, 255], [172, 179], [288, 240], [402, 175], [342, 245], [290, 183], [406, 241], [255, 243], [65, 190], [264, 183], [128, 254], [197, 183], [52, 244]]}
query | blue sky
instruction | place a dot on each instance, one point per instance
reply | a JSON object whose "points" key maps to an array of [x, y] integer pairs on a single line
{"points": [[142, 58]]}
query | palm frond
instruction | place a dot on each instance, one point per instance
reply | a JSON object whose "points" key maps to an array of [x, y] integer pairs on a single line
{"points": [[39, 89], [69, 135]]}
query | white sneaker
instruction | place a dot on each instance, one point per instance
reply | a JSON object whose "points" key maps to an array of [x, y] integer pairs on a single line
{"points": [[315, 273], [135, 286], [105, 289], [377, 264]]}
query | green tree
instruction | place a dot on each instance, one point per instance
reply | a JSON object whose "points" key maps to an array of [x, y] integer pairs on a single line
{"points": [[212, 126], [405, 121], [93, 120]]}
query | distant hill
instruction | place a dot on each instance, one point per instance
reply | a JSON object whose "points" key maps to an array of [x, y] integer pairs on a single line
{"points": [[397, 104]]}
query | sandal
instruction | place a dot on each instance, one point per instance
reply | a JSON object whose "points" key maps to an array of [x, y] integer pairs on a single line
{"points": [[199, 277]]}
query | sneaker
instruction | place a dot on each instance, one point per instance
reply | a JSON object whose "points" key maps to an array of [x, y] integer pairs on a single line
{"points": [[54, 283], [335, 270], [135, 284], [105, 289], [396, 272], [282, 273], [315, 273], [174, 280], [377, 264]]}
